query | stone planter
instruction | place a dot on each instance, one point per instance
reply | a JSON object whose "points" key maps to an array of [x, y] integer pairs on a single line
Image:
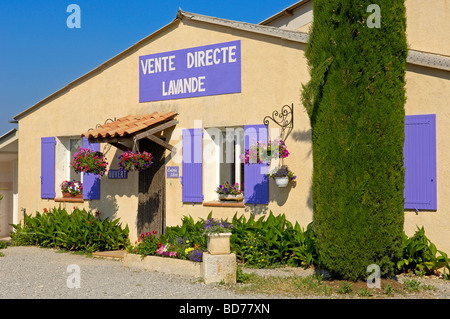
{"points": [[282, 181], [166, 265], [238, 198], [219, 244]]}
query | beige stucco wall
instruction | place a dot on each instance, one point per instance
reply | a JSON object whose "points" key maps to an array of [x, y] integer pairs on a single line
{"points": [[272, 71], [428, 92], [428, 25]]}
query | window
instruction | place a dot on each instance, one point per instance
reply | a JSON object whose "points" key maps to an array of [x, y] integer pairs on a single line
{"points": [[56, 155], [65, 149], [221, 150], [211, 157]]}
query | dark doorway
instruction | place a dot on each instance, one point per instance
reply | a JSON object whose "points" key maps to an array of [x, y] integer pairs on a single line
{"points": [[152, 191]]}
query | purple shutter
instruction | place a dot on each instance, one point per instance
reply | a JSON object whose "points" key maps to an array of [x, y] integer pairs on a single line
{"points": [[91, 182], [192, 190], [420, 162], [256, 183], [48, 167]]}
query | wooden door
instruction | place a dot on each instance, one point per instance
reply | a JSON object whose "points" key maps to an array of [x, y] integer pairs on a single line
{"points": [[152, 191]]}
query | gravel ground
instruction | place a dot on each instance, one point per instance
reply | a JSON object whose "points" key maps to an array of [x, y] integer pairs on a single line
{"points": [[38, 273]]}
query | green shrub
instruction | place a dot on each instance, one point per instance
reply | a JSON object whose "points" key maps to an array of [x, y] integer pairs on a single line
{"points": [[273, 240], [79, 230], [147, 244], [189, 229], [355, 101], [3, 245], [420, 255]]}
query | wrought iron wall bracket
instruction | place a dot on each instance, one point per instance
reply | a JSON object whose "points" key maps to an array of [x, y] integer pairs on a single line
{"points": [[284, 119]]}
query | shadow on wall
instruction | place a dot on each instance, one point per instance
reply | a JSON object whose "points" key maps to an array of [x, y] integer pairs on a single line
{"points": [[278, 195], [107, 207], [148, 219], [110, 189]]}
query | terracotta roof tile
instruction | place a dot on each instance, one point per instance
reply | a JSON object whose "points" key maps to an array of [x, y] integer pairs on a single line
{"points": [[130, 124]]}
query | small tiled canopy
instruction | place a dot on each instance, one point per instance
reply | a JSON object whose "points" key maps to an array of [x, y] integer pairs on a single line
{"points": [[133, 127]]}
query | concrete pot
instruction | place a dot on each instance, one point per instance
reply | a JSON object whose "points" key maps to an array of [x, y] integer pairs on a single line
{"points": [[219, 244], [281, 181]]}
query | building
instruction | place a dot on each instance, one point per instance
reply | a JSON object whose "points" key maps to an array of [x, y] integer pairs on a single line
{"points": [[194, 94], [8, 182]]}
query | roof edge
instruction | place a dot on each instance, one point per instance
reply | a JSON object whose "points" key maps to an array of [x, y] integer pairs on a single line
{"points": [[284, 11], [290, 35]]}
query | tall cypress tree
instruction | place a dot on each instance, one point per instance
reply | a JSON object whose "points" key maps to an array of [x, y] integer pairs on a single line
{"points": [[355, 100]]}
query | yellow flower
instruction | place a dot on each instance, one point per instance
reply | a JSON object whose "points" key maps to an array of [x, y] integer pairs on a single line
{"points": [[187, 250]]}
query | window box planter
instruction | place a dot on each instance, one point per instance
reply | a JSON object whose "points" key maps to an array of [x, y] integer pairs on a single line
{"points": [[69, 195], [219, 244], [231, 197]]}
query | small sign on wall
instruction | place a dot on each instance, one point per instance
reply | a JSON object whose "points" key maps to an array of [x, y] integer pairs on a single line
{"points": [[117, 174], [173, 172]]}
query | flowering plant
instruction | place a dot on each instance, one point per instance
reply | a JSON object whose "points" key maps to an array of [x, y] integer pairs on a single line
{"points": [[228, 189], [282, 171], [165, 250], [261, 152], [195, 255], [216, 226], [89, 161], [130, 161], [73, 187]]}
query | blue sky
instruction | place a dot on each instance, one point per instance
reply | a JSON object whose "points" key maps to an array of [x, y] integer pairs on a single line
{"points": [[39, 54]]}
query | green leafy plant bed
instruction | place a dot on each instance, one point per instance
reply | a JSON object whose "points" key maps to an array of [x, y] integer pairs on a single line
{"points": [[77, 231]]}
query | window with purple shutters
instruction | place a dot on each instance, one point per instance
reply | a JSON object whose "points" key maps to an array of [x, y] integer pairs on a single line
{"points": [[256, 183], [91, 182], [192, 153], [420, 162], [48, 167]]}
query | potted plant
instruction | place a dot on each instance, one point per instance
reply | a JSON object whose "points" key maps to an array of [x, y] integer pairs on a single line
{"points": [[262, 152], [282, 175], [129, 161], [89, 161], [219, 233], [72, 189], [228, 191]]}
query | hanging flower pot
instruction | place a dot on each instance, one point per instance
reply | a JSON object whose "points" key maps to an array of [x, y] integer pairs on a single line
{"points": [[262, 152], [282, 181], [130, 161], [89, 161], [282, 176]]}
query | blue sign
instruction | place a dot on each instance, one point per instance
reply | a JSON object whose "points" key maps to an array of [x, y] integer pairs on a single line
{"points": [[200, 71], [173, 172], [117, 174]]}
